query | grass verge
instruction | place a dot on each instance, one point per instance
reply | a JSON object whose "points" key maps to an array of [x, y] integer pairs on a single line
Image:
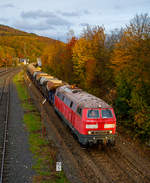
{"points": [[44, 151]]}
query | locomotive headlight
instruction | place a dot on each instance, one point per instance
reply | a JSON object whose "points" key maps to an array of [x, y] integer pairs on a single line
{"points": [[92, 126], [110, 132], [109, 125], [89, 132]]}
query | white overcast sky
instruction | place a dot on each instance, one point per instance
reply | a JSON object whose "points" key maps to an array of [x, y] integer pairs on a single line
{"points": [[54, 18]]}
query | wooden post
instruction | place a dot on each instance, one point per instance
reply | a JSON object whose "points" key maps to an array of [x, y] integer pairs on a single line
{"points": [[42, 119]]}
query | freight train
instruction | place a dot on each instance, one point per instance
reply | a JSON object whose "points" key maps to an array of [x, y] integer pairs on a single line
{"points": [[90, 118]]}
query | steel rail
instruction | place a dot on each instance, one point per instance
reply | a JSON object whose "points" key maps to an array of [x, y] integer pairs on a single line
{"points": [[2, 91], [5, 130], [3, 72]]}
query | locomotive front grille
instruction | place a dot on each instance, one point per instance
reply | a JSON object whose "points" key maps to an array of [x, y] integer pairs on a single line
{"points": [[100, 132]]}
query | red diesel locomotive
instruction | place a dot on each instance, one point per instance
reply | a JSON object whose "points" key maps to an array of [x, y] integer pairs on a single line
{"points": [[90, 118]]}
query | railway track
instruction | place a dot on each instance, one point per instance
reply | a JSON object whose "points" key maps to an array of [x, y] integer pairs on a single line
{"points": [[4, 120], [119, 166], [93, 165], [4, 112], [3, 72]]}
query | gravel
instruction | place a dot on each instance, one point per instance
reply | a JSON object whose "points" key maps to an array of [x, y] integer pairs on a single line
{"points": [[19, 157]]}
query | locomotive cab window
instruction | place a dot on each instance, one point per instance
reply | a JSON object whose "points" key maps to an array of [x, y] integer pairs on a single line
{"points": [[93, 113], [71, 104], [106, 113], [79, 111]]}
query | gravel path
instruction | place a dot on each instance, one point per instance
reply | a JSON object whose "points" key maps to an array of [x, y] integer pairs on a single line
{"points": [[19, 158]]}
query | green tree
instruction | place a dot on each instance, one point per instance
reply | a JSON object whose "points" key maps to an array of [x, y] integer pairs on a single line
{"points": [[131, 64]]}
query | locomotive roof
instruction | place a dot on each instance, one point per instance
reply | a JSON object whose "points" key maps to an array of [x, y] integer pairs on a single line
{"points": [[82, 98]]}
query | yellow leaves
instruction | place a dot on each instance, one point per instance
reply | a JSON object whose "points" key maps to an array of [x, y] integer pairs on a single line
{"points": [[6, 55], [128, 53], [83, 51], [83, 54], [90, 70], [90, 60]]}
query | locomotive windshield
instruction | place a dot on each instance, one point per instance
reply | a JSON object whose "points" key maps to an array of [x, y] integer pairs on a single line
{"points": [[106, 113], [93, 114]]}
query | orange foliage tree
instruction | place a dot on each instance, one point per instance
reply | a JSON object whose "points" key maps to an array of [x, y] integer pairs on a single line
{"points": [[91, 61]]}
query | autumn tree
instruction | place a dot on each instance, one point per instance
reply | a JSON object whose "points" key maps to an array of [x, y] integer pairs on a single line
{"points": [[113, 37], [68, 61], [6, 56], [131, 64], [91, 60]]}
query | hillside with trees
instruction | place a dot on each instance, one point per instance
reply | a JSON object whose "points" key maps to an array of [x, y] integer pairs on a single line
{"points": [[16, 44]]}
